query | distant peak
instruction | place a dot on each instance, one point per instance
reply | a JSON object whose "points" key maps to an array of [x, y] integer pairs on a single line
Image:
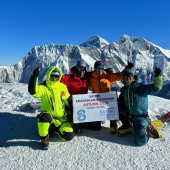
{"points": [[96, 41], [132, 38], [94, 37], [125, 36]]}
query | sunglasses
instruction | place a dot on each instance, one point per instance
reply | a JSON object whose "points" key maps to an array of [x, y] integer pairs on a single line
{"points": [[54, 76]]}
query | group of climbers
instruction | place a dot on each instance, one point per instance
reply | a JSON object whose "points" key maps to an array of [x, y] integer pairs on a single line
{"points": [[56, 99]]}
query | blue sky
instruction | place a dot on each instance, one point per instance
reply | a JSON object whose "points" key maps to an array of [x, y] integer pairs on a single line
{"points": [[28, 23]]}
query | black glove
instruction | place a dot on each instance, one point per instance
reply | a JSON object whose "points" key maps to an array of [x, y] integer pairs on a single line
{"points": [[129, 66], [157, 72], [109, 70], [36, 72]]}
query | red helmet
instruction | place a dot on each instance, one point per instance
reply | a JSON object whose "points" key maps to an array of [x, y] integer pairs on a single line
{"points": [[98, 63]]}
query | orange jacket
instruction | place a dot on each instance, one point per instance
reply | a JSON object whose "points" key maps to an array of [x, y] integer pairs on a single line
{"points": [[101, 84]]}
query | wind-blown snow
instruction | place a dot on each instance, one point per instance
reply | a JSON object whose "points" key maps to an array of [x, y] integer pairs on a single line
{"points": [[20, 146]]}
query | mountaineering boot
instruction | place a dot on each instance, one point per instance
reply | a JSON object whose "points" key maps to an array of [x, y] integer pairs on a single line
{"points": [[125, 130], [45, 142], [153, 132], [126, 127]]}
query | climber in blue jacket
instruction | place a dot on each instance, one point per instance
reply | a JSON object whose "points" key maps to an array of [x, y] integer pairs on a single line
{"points": [[133, 107]]}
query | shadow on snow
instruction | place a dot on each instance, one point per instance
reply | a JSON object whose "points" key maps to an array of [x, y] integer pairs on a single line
{"points": [[21, 130], [105, 135], [18, 130]]}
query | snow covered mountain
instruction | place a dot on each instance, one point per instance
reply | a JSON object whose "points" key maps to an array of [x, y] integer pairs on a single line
{"points": [[144, 54], [96, 40]]}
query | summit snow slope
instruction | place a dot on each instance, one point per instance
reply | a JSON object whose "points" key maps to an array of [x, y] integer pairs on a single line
{"points": [[98, 150]]}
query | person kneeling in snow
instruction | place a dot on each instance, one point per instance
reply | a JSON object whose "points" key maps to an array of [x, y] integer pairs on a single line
{"points": [[54, 96], [133, 107]]}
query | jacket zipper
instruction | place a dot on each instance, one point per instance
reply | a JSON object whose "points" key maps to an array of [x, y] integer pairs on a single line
{"points": [[52, 103]]}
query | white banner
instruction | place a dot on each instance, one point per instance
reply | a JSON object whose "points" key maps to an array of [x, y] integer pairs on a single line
{"points": [[95, 107]]}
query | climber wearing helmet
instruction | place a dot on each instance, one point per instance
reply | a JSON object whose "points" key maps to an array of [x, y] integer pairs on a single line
{"points": [[77, 82]]}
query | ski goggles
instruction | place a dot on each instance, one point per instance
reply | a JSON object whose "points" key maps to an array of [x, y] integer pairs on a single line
{"points": [[100, 67], [54, 76]]}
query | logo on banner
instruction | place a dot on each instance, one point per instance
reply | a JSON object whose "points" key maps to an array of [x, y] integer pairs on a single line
{"points": [[81, 115]]}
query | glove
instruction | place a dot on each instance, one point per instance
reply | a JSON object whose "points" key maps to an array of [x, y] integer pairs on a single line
{"points": [[129, 66], [36, 72], [157, 72], [109, 70]]}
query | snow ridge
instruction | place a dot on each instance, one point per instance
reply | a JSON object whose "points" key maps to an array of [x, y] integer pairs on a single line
{"points": [[144, 54]]}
